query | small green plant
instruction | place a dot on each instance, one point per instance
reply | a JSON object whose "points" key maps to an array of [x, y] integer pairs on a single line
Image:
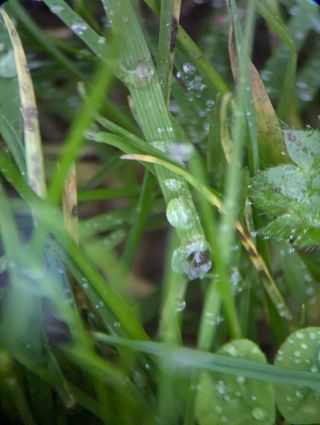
{"points": [[145, 131]]}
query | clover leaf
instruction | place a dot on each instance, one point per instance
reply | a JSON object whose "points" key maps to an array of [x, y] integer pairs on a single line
{"points": [[289, 195], [237, 400]]}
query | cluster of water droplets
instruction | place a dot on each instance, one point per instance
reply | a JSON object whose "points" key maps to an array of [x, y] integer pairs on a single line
{"points": [[192, 258], [195, 117], [225, 393]]}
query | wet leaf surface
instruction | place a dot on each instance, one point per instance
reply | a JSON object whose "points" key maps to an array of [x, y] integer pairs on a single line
{"points": [[290, 194], [301, 352], [238, 400]]}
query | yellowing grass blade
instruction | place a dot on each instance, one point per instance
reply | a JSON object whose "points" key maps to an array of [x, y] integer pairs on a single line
{"points": [[32, 139], [272, 148]]}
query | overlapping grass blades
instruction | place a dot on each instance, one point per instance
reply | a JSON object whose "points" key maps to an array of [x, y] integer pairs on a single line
{"points": [[117, 375]]}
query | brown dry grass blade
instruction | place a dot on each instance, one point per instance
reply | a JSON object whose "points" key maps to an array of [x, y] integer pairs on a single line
{"points": [[272, 148]]}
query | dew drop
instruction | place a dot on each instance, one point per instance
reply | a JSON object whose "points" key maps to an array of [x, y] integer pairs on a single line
{"points": [[188, 68], [259, 414], [161, 146], [180, 213], [101, 40], [240, 379], [173, 185], [79, 28], [300, 335], [192, 259], [140, 75], [221, 387], [179, 151], [56, 9], [180, 306]]}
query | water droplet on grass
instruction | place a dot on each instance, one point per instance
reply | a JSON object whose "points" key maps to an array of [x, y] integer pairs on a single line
{"points": [[79, 28], [140, 75], [56, 9], [188, 68], [173, 185], [180, 213], [240, 379], [259, 413], [161, 146], [179, 151], [192, 259], [181, 306], [221, 387]]}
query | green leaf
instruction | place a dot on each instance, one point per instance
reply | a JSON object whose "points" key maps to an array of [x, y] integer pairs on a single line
{"points": [[224, 398], [301, 352], [290, 194]]}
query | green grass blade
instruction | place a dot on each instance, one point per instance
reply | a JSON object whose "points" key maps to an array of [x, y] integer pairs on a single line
{"points": [[169, 22], [78, 25], [76, 136], [187, 359], [194, 53], [137, 72]]}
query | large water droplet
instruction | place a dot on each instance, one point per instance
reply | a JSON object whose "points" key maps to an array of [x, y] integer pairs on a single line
{"points": [[181, 305], [7, 65], [140, 75], [180, 213], [179, 151], [259, 413], [192, 259]]}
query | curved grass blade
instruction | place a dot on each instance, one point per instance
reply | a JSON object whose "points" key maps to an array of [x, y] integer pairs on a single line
{"points": [[52, 220], [32, 139]]}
